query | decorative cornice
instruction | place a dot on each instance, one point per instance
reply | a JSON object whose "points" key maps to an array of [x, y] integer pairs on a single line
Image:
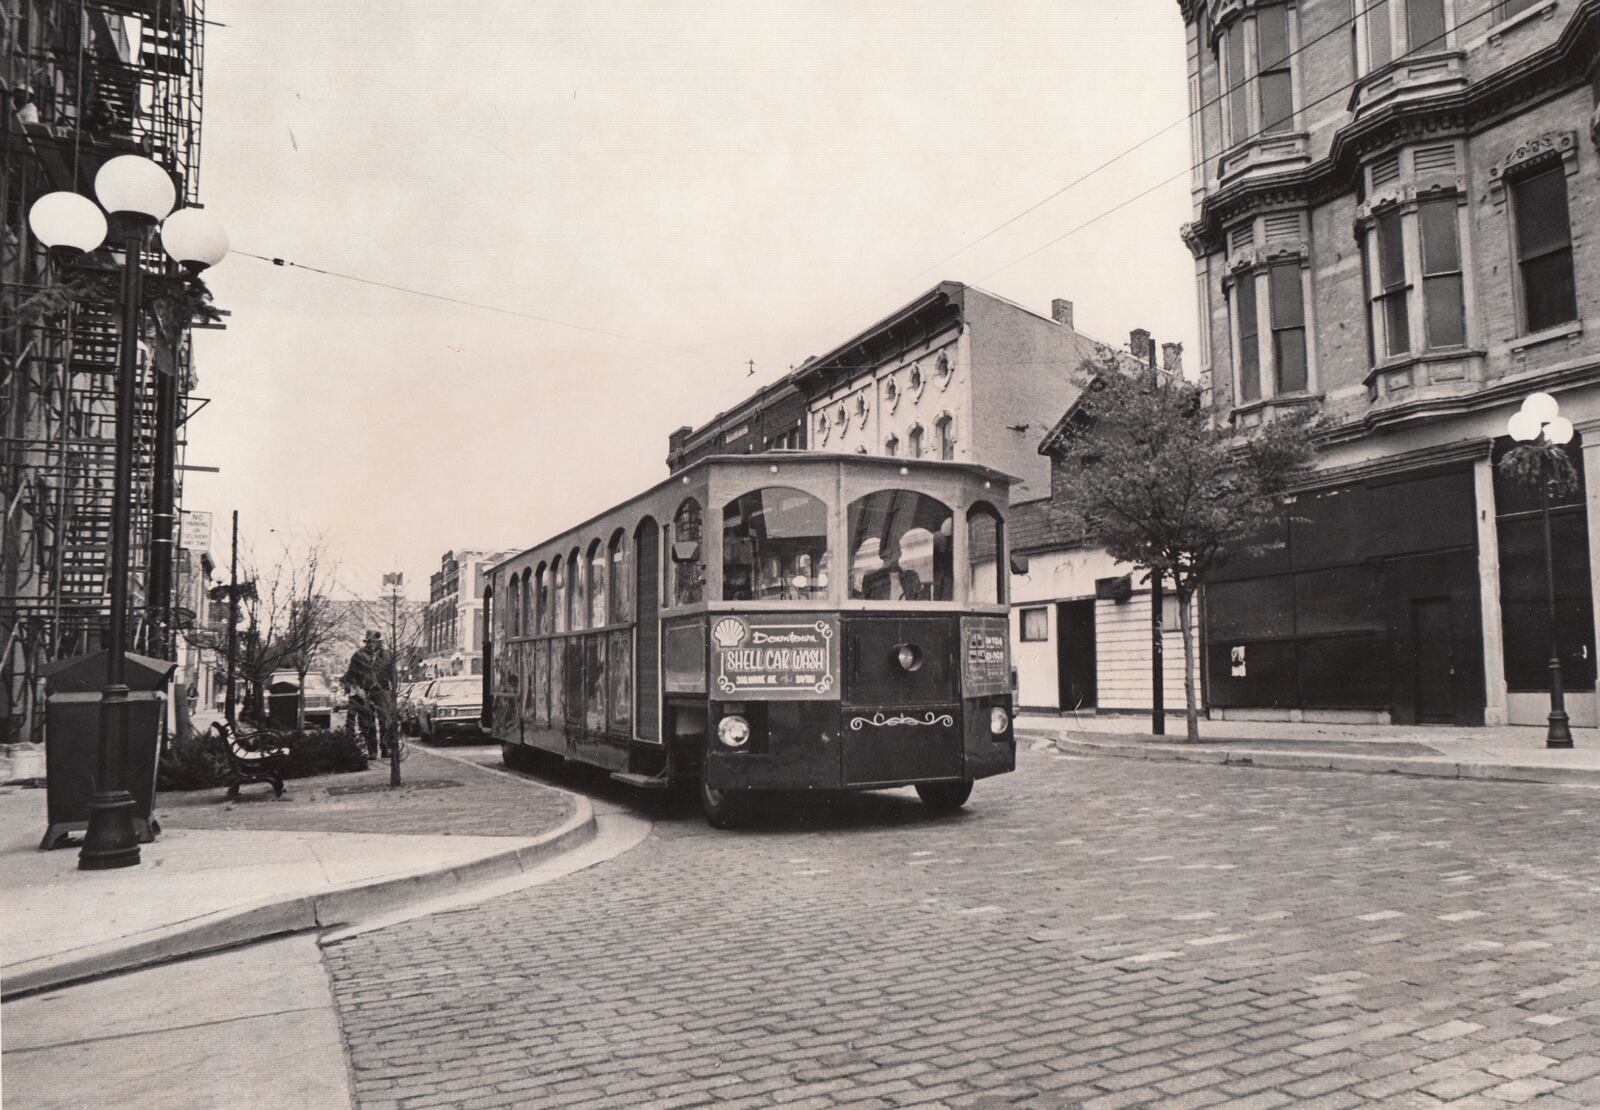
{"points": [[1551, 144]]}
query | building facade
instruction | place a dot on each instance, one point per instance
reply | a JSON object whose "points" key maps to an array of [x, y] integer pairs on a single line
{"points": [[452, 623], [1396, 211], [81, 83]]}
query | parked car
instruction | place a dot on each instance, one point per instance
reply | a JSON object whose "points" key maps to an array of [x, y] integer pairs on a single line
{"points": [[315, 698], [451, 707]]}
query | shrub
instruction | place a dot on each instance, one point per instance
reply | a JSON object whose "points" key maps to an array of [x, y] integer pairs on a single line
{"points": [[198, 761]]}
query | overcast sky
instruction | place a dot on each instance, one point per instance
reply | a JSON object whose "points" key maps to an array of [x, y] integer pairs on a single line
{"points": [[710, 183]]}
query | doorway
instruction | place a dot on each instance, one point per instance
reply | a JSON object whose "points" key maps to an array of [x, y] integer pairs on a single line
{"points": [[1431, 646], [1075, 658]]}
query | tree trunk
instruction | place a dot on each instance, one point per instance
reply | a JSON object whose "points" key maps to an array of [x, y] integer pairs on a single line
{"points": [[300, 704], [1185, 622]]}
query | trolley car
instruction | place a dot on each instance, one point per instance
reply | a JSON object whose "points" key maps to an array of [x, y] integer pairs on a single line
{"points": [[786, 621]]}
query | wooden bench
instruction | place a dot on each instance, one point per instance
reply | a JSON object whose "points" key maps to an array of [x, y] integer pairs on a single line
{"points": [[253, 756]]}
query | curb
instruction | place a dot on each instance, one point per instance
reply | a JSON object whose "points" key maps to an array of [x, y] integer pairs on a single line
{"points": [[1327, 761], [268, 918]]}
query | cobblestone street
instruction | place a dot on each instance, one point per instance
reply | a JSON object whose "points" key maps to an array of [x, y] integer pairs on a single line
{"points": [[1096, 932]]}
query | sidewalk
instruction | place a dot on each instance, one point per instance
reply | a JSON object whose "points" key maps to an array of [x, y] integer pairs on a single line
{"points": [[1512, 753], [333, 850]]}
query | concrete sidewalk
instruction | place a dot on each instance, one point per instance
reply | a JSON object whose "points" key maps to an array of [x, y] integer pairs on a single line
{"points": [[333, 851], [1509, 753]]}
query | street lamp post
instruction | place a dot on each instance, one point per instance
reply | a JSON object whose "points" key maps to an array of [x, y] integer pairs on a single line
{"points": [[1540, 425], [138, 194]]}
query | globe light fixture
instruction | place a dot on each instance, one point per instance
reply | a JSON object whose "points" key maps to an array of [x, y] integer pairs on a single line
{"points": [[140, 193], [67, 220], [134, 184], [194, 238], [1540, 426], [1541, 406]]}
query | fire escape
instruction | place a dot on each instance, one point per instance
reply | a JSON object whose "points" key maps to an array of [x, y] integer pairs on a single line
{"points": [[84, 81]]}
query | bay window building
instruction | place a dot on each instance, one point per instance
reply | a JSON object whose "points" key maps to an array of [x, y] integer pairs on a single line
{"points": [[1396, 208]]}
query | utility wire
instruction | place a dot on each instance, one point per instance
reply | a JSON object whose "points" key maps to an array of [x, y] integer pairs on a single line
{"points": [[1346, 87], [1146, 141], [466, 303]]}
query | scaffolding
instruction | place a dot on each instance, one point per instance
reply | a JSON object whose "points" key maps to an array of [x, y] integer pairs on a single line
{"points": [[83, 81]]}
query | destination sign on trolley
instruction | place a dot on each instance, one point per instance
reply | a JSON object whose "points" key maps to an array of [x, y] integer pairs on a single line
{"points": [[775, 658]]}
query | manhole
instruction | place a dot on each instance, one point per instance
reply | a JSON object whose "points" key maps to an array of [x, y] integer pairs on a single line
{"points": [[414, 784]]}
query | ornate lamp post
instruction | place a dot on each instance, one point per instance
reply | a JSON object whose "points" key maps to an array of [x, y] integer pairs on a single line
{"points": [[1541, 428], [138, 194]]}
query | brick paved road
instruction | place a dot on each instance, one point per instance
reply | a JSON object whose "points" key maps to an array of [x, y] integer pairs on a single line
{"points": [[1095, 932]]}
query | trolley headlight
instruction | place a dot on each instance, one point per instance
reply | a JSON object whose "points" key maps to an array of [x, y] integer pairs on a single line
{"points": [[909, 656], [733, 731], [999, 721]]}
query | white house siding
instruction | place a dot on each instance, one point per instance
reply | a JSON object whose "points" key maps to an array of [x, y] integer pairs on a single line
{"points": [[1122, 635]]}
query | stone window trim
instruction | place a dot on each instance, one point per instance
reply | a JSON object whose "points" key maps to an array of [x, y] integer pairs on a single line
{"points": [[1530, 156], [944, 430], [824, 427], [917, 382], [1406, 199], [1504, 24], [945, 370], [863, 408], [891, 392], [1255, 265]]}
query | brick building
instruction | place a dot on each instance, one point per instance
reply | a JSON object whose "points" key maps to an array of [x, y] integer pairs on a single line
{"points": [[1396, 217], [452, 623]]}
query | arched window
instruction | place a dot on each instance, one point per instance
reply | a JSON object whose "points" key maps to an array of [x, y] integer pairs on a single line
{"points": [[900, 547], [688, 561], [597, 585], [943, 370], [513, 610], [986, 554], [576, 610], [774, 546], [891, 446], [543, 616], [525, 604], [619, 600], [944, 436], [914, 442], [558, 601]]}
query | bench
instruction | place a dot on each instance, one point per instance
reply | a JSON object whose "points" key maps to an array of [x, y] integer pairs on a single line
{"points": [[253, 757]]}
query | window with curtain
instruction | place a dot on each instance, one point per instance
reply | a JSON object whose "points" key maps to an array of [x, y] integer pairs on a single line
{"points": [[1443, 297], [1391, 315], [1249, 353], [1544, 249], [1288, 327], [1274, 83]]}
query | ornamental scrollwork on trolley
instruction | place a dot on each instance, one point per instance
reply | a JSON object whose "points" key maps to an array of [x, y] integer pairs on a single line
{"points": [[879, 720]]}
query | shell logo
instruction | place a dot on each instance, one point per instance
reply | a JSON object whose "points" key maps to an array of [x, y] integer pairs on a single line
{"points": [[729, 632]]}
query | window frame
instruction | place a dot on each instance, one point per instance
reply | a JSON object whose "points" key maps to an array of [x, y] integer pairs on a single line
{"points": [[597, 584], [1400, 308], [619, 602], [1023, 614], [1238, 47], [944, 437], [1543, 168]]}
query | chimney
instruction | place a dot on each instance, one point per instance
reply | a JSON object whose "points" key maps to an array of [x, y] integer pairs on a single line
{"points": [[1061, 311], [1172, 358], [1139, 344]]}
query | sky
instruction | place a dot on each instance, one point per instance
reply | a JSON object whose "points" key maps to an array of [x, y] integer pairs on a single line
{"points": [[647, 197]]}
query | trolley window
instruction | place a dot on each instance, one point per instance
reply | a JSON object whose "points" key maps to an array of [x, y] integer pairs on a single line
{"points": [[577, 608], [597, 585], [774, 546], [559, 605], [900, 547], [618, 600], [688, 561], [985, 552], [544, 615]]}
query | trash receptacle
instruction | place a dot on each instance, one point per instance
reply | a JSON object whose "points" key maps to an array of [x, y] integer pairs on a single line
{"points": [[283, 704], [72, 739]]}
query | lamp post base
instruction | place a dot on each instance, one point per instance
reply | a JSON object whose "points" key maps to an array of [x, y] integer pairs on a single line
{"points": [[1558, 735], [111, 840]]}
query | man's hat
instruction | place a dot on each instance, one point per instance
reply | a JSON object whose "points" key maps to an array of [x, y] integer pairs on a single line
{"points": [[371, 636]]}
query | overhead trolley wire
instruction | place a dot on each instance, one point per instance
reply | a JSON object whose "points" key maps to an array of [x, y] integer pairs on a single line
{"points": [[466, 303]]}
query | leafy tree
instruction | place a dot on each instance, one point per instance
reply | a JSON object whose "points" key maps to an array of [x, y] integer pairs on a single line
{"points": [[1143, 470]]}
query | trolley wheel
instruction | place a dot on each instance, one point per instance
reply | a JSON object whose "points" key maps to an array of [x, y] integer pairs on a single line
{"points": [[724, 809], [944, 797]]}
